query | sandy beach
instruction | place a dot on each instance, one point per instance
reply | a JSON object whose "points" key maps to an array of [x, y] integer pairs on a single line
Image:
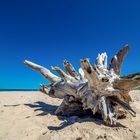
{"points": [[30, 116]]}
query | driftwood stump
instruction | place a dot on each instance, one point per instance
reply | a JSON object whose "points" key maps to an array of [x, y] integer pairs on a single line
{"points": [[98, 88]]}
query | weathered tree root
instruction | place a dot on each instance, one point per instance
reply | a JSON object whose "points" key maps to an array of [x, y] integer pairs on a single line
{"points": [[95, 87]]}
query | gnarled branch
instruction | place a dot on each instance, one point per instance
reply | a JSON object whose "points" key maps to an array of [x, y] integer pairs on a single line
{"points": [[117, 60], [70, 69], [45, 72]]}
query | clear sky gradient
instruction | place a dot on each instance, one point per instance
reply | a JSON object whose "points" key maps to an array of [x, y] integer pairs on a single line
{"points": [[49, 31]]}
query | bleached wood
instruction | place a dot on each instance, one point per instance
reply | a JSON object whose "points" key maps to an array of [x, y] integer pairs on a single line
{"points": [[101, 64], [44, 89], [62, 74], [70, 70], [118, 59], [125, 84], [90, 73], [133, 76], [44, 71], [96, 87]]}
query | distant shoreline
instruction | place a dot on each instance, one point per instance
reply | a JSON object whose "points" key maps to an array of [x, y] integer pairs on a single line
{"points": [[19, 90]]}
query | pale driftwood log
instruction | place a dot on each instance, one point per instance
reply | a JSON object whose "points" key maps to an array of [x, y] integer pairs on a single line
{"points": [[45, 72], [60, 87], [117, 60], [96, 87], [134, 76], [90, 73], [126, 84], [70, 70]]}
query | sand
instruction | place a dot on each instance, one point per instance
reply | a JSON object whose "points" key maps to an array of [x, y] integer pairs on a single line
{"points": [[30, 116]]}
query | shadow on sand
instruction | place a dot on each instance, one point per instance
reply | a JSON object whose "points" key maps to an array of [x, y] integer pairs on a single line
{"points": [[45, 108], [67, 120]]}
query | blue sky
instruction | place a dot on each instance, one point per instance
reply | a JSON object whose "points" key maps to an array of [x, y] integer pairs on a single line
{"points": [[49, 31]]}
